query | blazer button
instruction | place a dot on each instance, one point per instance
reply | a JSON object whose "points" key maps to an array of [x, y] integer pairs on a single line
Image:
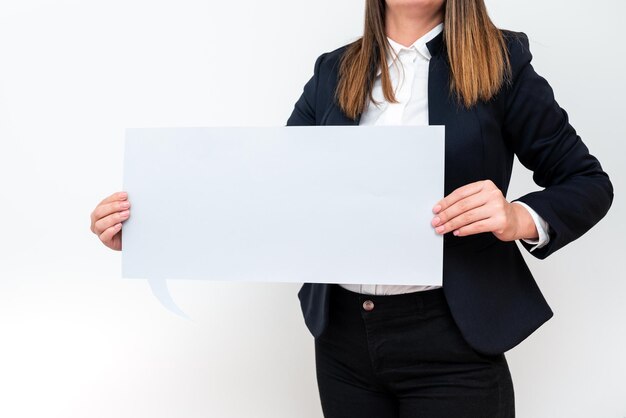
{"points": [[368, 305]]}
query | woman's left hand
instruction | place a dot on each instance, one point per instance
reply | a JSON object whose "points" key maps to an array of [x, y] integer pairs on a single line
{"points": [[481, 207]]}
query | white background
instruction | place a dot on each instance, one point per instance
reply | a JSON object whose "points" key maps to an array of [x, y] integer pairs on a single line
{"points": [[78, 341]]}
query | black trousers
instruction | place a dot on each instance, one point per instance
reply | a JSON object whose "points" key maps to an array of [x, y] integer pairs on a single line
{"points": [[402, 356]]}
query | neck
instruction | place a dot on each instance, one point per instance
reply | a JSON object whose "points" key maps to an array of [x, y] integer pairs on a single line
{"points": [[405, 25]]}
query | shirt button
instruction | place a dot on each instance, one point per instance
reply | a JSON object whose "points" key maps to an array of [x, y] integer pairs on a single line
{"points": [[368, 305]]}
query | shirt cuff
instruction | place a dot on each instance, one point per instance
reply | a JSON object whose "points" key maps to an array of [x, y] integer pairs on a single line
{"points": [[543, 229]]}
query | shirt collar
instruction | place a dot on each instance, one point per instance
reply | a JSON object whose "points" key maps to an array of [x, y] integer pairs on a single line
{"points": [[419, 45]]}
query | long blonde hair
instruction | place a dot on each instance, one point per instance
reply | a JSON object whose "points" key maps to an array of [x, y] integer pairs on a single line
{"points": [[476, 50]]}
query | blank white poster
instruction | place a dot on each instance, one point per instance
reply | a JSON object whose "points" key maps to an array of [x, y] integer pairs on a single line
{"points": [[327, 204]]}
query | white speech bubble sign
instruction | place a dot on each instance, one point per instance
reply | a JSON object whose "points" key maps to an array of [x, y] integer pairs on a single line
{"points": [[325, 204]]}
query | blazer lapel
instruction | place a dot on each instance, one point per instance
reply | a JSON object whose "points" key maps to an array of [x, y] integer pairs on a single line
{"points": [[335, 116], [437, 81]]}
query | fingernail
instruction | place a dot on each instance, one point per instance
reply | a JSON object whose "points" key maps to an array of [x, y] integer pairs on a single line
{"points": [[124, 213], [125, 204], [456, 233], [440, 229], [123, 195], [436, 220], [436, 209]]}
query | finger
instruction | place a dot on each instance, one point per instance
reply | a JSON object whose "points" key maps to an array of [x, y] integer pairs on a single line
{"points": [[459, 208], [458, 194], [471, 216], [106, 209], [484, 225], [107, 236], [115, 196], [108, 221]]}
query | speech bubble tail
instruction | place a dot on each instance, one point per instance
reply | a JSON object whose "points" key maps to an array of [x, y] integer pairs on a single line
{"points": [[162, 293]]}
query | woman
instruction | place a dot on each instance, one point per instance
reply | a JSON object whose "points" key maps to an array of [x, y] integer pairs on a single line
{"points": [[409, 351]]}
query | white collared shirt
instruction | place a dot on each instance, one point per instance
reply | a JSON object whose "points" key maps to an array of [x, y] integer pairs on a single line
{"points": [[409, 78]]}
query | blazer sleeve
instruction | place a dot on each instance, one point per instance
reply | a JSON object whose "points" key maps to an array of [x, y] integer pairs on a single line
{"points": [[577, 192], [303, 113]]}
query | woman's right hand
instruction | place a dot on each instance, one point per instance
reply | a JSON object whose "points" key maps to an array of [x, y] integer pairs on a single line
{"points": [[107, 218]]}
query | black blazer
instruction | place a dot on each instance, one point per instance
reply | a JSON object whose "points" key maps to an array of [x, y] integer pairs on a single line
{"points": [[491, 292]]}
